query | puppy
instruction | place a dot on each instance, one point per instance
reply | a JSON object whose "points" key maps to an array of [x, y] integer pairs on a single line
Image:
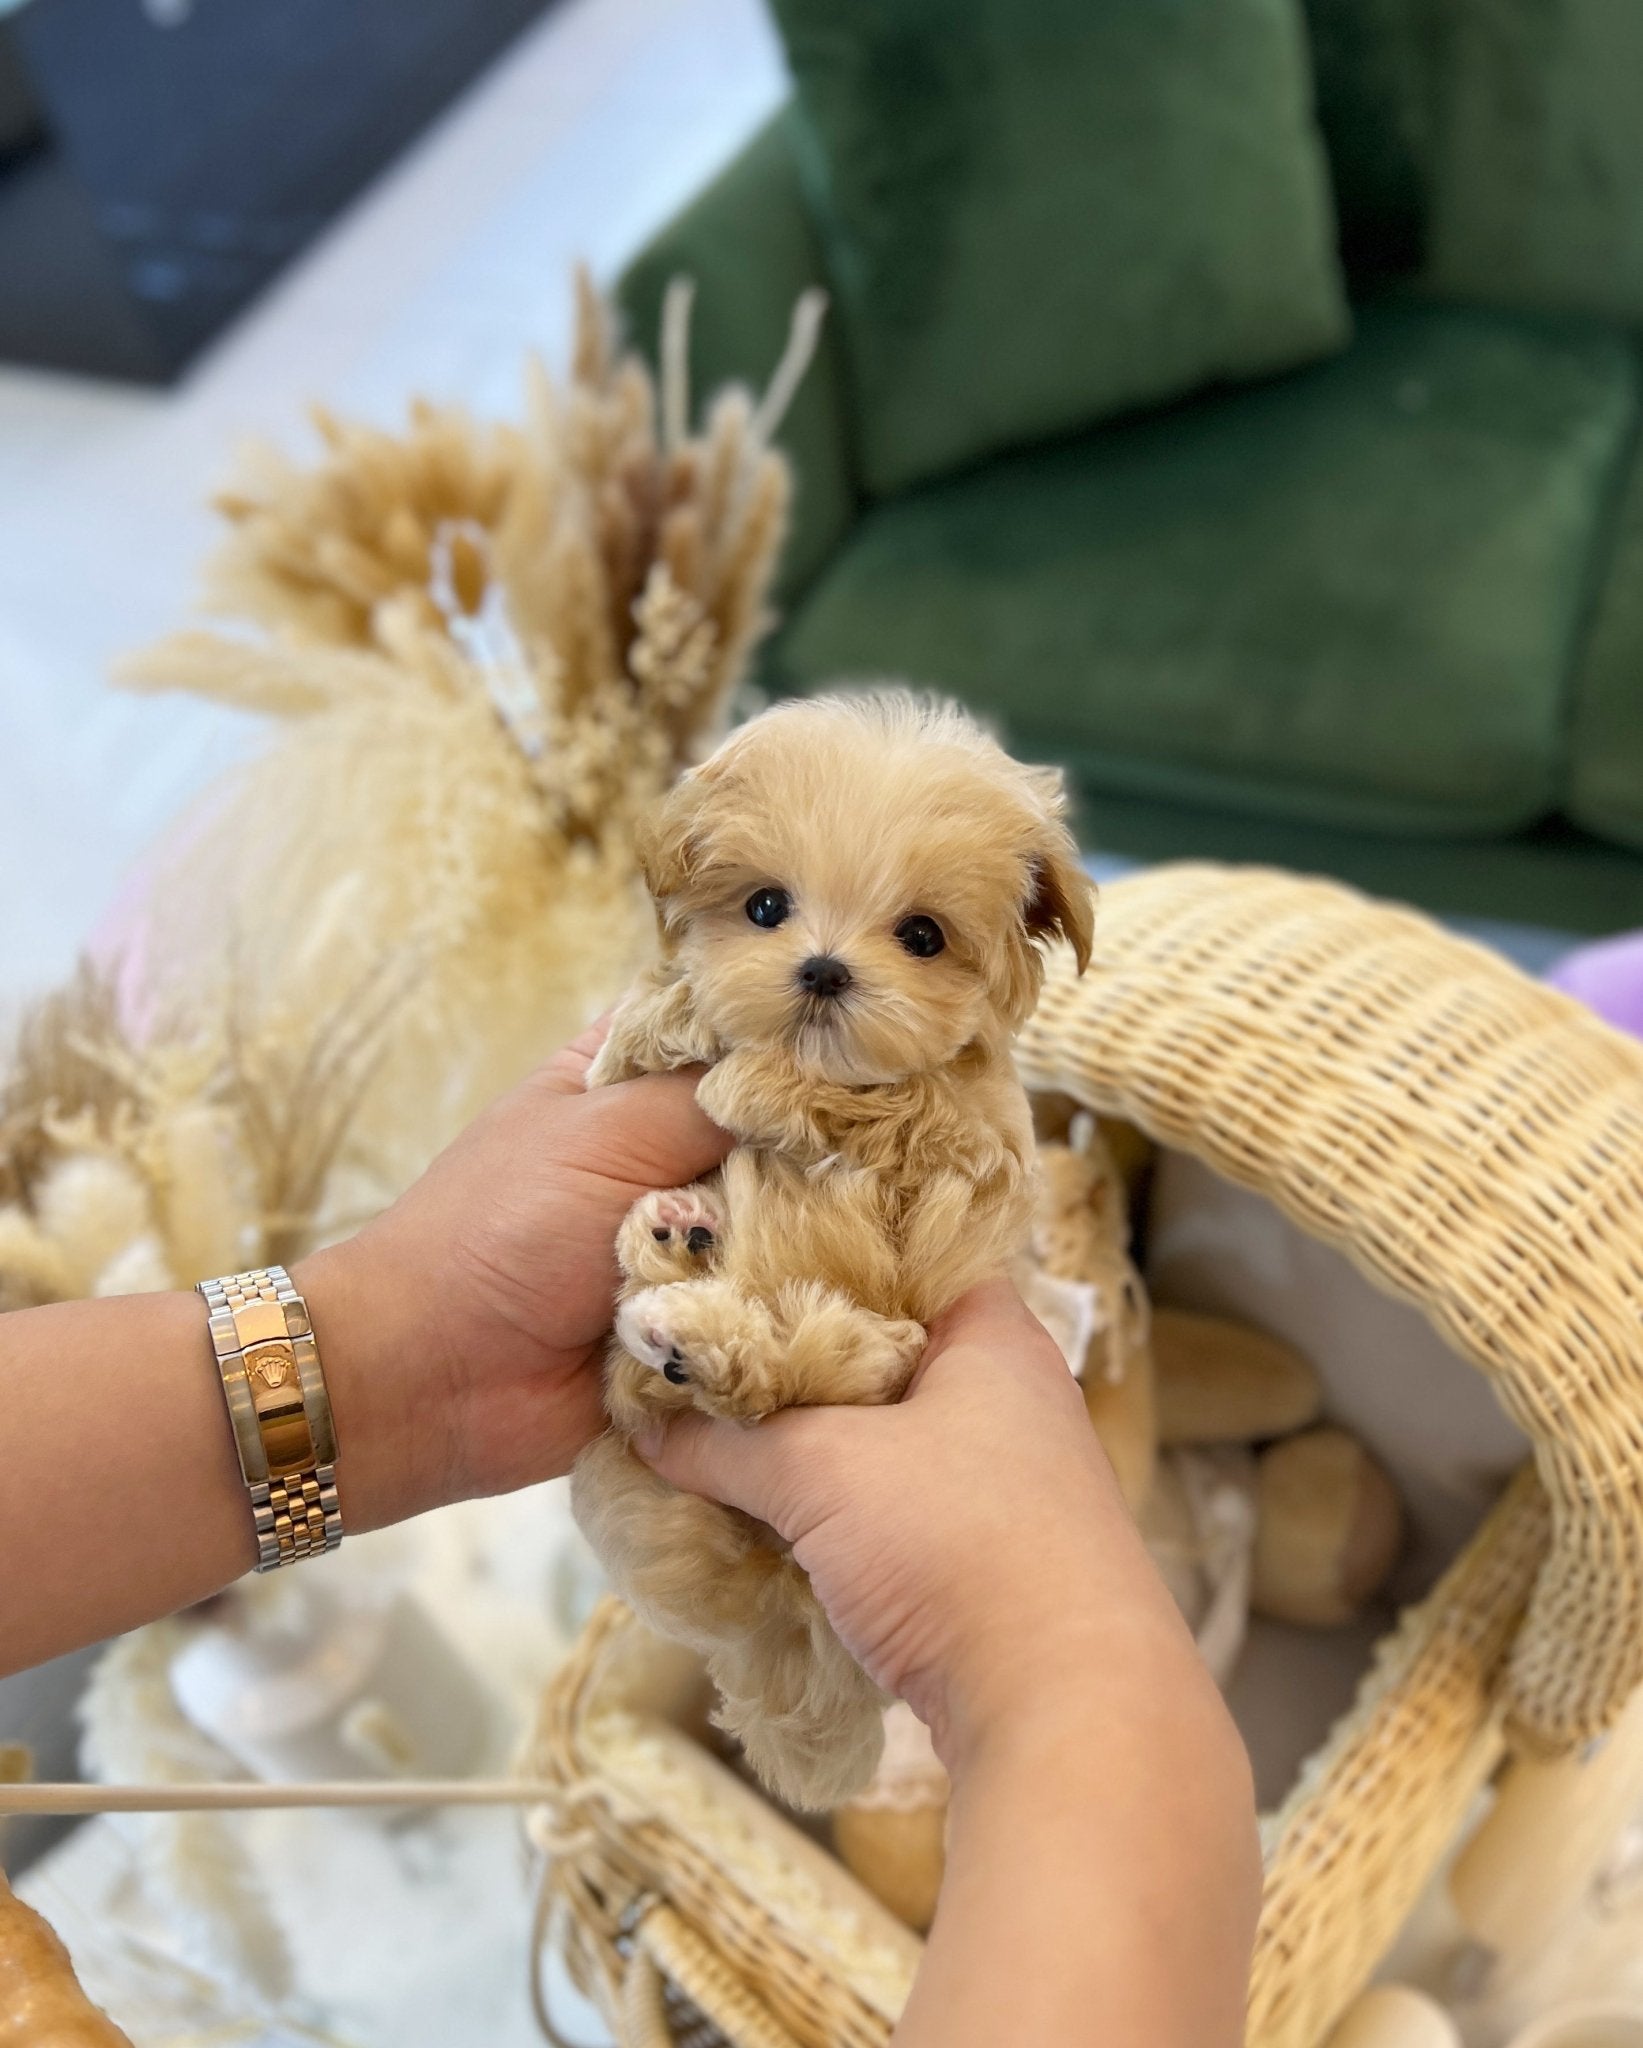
{"points": [[852, 894]]}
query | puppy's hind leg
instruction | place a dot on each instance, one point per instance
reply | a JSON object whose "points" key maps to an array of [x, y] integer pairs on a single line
{"points": [[692, 1569], [744, 1356], [808, 1717]]}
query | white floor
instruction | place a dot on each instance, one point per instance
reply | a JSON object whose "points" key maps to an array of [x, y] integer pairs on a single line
{"points": [[439, 278]]}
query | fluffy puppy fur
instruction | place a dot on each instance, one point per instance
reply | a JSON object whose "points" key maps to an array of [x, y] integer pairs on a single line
{"points": [[851, 894]]}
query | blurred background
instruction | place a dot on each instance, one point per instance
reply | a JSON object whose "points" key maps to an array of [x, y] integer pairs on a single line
{"points": [[1246, 419], [428, 267]]}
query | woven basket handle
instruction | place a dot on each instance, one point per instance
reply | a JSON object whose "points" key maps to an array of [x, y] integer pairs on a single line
{"points": [[1472, 1139], [667, 1950]]}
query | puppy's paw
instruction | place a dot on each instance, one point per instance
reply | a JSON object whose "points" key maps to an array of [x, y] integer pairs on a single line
{"points": [[611, 1062], [674, 1234], [703, 1335], [833, 1352], [904, 1344]]}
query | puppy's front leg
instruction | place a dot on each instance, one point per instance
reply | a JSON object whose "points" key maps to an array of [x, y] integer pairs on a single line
{"points": [[750, 1093], [674, 1234], [655, 1029], [743, 1356]]}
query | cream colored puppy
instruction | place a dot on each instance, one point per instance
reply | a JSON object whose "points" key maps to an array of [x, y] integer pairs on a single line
{"points": [[852, 894]]}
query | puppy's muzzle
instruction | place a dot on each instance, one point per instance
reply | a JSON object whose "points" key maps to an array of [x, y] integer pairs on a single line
{"points": [[824, 976]]}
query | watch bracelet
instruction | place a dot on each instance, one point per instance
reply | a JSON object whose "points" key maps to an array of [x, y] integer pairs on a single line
{"points": [[295, 1512]]}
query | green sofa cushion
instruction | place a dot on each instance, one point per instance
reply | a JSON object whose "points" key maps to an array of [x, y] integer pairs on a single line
{"points": [[747, 241], [1551, 875], [1376, 67], [1350, 597], [1040, 213], [1606, 749], [1537, 183]]}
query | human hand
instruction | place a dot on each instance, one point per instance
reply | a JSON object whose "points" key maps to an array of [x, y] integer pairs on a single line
{"points": [[969, 1545], [463, 1330]]}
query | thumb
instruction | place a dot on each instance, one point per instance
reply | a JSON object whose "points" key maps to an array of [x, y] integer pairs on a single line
{"points": [[566, 1072], [652, 1132], [747, 1468], [993, 1323]]}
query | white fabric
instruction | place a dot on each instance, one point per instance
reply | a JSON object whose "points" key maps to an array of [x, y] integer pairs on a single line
{"points": [[1430, 1417]]}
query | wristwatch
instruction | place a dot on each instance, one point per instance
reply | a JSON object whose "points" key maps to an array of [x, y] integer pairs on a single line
{"points": [[280, 1411]]}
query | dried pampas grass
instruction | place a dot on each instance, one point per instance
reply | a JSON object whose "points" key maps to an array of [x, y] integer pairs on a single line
{"points": [[209, 1146], [489, 649], [58, 1067]]}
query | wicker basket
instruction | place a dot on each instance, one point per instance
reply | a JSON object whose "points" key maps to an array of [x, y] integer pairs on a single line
{"points": [[1474, 1141]]}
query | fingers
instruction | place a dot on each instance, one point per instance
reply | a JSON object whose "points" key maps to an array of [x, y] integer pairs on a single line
{"points": [[991, 1310], [565, 1072], [791, 1467], [656, 1133], [750, 1469], [991, 1320]]}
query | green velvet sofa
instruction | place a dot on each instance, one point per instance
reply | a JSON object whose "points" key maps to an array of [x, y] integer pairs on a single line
{"points": [[1378, 615]]}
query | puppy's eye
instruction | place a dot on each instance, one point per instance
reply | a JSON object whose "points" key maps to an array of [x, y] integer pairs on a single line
{"points": [[769, 907], [922, 937]]}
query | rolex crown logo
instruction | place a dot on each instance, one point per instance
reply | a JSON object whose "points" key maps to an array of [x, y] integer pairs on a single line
{"points": [[273, 1369]]}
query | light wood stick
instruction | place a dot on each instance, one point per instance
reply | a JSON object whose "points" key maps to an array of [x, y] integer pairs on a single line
{"points": [[236, 1796]]}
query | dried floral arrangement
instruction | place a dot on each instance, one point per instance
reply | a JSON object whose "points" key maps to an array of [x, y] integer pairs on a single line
{"points": [[486, 650], [132, 1164]]}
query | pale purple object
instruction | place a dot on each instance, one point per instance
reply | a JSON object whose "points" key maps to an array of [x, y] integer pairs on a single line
{"points": [[1607, 976]]}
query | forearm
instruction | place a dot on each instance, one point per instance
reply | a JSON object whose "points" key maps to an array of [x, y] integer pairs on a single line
{"points": [[1102, 1881], [121, 1496]]}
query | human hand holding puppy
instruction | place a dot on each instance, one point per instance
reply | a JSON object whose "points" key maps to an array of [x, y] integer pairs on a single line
{"points": [[969, 1543], [971, 1548]]}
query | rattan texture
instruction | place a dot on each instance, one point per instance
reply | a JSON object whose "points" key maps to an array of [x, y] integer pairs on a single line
{"points": [[1471, 1138], [629, 1887], [1376, 1810], [1475, 1143]]}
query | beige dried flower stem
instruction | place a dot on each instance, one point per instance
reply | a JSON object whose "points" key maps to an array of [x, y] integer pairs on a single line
{"points": [[675, 362], [58, 1067], [257, 1107], [487, 649]]}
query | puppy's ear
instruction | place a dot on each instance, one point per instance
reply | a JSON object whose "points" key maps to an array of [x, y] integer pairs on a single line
{"points": [[1061, 900], [673, 839], [664, 842]]}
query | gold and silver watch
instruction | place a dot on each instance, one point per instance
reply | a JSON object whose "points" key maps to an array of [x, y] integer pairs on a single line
{"points": [[281, 1413]]}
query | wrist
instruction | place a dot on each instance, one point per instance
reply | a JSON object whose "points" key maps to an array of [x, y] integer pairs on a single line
{"points": [[377, 1351], [1072, 1682], [1036, 1684]]}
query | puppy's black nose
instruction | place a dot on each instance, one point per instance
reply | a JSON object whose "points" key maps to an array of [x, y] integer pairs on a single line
{"points": [[822, 975]]}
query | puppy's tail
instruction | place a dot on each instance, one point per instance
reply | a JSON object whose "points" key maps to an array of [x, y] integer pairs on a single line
{"points": [[808, 1717]]}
